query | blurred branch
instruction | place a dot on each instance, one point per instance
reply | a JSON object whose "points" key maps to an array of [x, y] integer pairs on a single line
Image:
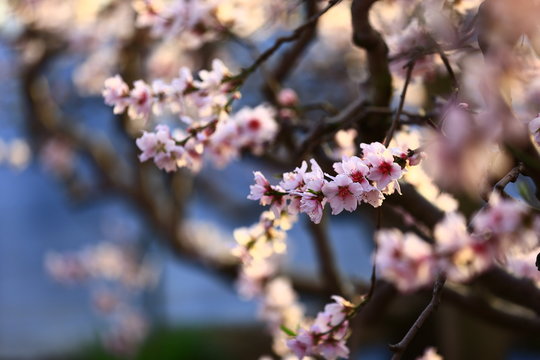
{"points": [[329, 271], [481, 309], [291, 57], [367, 38], [399, 348], [295, 35], [333, 124], [519, 291]]}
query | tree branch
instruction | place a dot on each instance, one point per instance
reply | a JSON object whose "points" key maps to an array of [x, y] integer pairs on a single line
{"points": [[399, 348], [329, 271]]}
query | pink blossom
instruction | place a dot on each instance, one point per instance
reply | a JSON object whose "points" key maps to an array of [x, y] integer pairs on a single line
{"points": [[295, 179], [373, 197], [404, 259], [267, 194], [259, 190], [141, 100], [333, 349], [183, 82], [301, 344], [162, 93], [333, 315], [430, 354], [160, 146], [383, 169], [460, 255], [375, 149], [342, 193], [501, 216], [312, 203], [287, 97], [328, 333], [212, 80], [256, 126], [356, 169], [116, 93], [312, 200]]}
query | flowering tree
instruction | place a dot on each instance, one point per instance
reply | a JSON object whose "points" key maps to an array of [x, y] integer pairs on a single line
{"points": [[435, 117]]}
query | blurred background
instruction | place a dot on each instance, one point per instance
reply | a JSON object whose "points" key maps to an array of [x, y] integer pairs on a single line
{"points": [[86, 267]]}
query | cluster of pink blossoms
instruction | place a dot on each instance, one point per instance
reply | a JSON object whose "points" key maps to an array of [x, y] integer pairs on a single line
{"points": [[258, 248], [279, 307], [202, 105], [118, 274], [503, 228], [327, 335], [197, 102], [366, 179], [195, 21]]}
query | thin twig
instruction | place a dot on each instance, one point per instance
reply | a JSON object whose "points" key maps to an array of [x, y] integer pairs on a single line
{"points": [[449, 70], [395, 122], [296, 34], [510, 177], [352, 112], [399, 348]]}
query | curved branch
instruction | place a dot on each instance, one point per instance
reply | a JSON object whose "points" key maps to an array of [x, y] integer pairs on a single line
{"points": [[399, 348]]}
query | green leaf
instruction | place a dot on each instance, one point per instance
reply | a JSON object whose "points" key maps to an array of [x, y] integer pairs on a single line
{"points": [[287, 331]]}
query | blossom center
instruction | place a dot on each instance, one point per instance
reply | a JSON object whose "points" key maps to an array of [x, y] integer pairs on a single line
{"points": [[254, 124], [357, 177], [385, 168], [343, 191]]}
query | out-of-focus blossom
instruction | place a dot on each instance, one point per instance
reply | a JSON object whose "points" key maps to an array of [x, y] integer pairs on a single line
{"points": [[57, 156], [116, 93], [404, 259], [194, 21], [345, 143], [127, 333], [287, 97], [523, 265], [504, 232], [417, 175], [430, 354]]}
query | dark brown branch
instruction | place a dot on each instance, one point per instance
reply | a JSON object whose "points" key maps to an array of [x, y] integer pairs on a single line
{"points": [[367, 38], [519, 291], [399, 348], [480, 308], [331, 126], [449, 70]]}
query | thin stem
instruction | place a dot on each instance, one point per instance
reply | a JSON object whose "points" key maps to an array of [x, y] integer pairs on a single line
{"points": [[510, 177], [393, 127]]}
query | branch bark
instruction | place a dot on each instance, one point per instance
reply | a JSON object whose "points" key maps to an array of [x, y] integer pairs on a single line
{"points": [[399, 348]]}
